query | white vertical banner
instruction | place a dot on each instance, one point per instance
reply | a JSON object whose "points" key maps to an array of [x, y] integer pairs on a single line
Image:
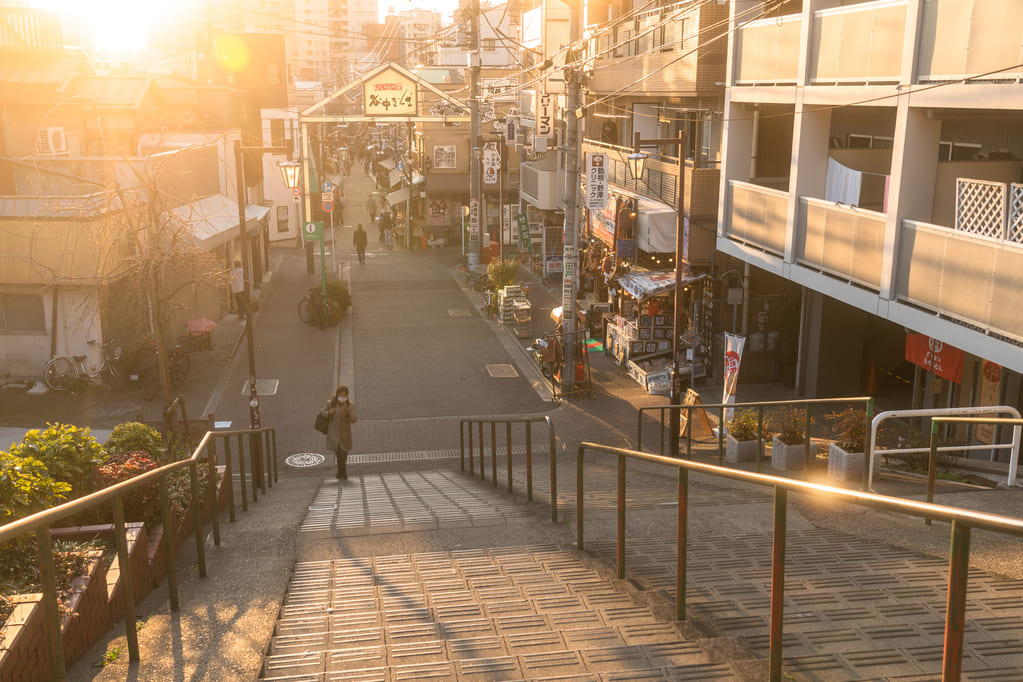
{"points": [[596, 181], [734, 345], [544, 114]]}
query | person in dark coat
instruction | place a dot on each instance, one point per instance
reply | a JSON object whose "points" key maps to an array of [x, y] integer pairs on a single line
{"points": [[342, 415], [359, 240]]}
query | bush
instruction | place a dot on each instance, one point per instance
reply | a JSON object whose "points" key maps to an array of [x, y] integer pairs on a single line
{"points": [[132, 437], [502, 272], [848, 428], [142, 504], [789, 424], [26, 487], [70, 454], [337, 291], [743, 424]]}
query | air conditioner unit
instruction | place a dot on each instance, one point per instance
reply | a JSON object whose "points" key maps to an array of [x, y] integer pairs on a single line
{"points": [[52, 141]]}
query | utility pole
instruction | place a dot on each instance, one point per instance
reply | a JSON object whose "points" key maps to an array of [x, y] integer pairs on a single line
{"points": [[475, 207], [573, 78]]}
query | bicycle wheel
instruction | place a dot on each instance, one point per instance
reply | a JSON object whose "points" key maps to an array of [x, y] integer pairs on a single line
{"points": [[115, 375], [306, 311], [178, 370], [150, 383], [58, 369], [332, 312]]}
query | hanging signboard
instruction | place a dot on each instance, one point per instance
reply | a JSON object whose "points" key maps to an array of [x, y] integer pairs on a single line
{"points": [[525, 239], [510, 127], [491, 164], [733, 358], [544, 114], [596, 181], [935, 356], [390, 93]]}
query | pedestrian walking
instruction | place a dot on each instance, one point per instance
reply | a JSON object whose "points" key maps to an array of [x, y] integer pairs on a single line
{"points": [[342, 414], [387, 227], [359, 241], [238, 289]]}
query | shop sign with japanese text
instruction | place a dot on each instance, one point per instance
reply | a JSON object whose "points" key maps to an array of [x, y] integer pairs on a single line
{"points": [[390, 94], [544, 114], [935, 356], [596, 181]]}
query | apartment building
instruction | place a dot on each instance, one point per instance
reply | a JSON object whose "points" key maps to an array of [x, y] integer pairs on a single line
{"points": [[871, 181]]}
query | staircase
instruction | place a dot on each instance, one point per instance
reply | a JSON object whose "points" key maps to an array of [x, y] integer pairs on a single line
{"points": [[505, 613]]}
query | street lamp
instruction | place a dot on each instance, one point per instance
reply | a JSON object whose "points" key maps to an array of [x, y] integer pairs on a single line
{"points": [[637, 161]]}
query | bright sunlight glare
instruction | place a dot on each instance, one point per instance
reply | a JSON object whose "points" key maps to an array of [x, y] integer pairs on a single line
{"points": [[113, 25]]}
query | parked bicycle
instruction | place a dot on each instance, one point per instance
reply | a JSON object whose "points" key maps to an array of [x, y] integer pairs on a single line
{"points": [[60, 371], [315, 308], [148, 375]]}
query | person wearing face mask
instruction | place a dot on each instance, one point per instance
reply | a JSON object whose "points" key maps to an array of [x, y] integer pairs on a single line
{"points": [[342, 415]]}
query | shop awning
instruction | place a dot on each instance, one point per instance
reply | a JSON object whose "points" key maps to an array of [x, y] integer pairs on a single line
{"points": [[398, 197], [643, 284], [214, 219], [655, 227], [387, 162]]}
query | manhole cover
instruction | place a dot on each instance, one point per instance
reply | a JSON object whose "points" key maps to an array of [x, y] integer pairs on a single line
{"points": [[502, 371], [305, 459], [263, 387], [458, 312]]}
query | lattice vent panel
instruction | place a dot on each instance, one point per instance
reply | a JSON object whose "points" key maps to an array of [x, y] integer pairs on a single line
{"points": [[1014, 230], [980, 207]]}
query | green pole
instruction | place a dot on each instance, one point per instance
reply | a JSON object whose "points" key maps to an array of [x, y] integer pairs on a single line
{"points": [[323, 264]]}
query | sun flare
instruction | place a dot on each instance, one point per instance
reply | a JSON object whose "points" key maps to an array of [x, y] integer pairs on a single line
{"points": [[113, 25]]}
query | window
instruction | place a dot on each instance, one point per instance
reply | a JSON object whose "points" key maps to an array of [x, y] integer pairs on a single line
{"points": [[957, 151], [22, 313], [444, 156], [489, 45]]}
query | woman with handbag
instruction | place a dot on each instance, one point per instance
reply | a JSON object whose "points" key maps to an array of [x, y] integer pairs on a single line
{"points": [[342, 414]]}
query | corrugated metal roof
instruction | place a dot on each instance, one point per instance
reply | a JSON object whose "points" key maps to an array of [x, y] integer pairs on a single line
{"points": [[214, 219]]}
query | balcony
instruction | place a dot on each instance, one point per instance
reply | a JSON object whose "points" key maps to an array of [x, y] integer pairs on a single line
{"points": [[543, 183], [757, 216], [973, 279], [965, 39], [660, 181], [842, 241], [858, 43], [768, 52]]}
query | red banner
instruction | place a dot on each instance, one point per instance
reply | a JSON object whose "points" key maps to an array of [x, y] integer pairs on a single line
{"points": [[934, 356]]}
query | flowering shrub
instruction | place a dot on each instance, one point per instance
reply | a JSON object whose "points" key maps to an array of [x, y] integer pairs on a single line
{"points": [[743, 424], [69, 453], [144, 503]]}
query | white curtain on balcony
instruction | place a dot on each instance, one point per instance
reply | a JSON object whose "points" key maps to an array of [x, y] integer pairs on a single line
{"points": [[843, 184]]}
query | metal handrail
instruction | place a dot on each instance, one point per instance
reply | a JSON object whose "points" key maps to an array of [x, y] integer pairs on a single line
{"points": [[809, 404], [508, 421], [962, 522], [936, 422], [205, 452]]}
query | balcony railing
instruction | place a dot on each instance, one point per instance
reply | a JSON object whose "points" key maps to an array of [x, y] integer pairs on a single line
{"points": [[840, 240], [768, 51], [757, 216], [949, 50], [858, 43], [966, 277], [660, 180]]}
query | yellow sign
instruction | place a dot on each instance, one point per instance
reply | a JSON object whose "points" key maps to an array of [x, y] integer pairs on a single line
{"points": [[390, 93]]}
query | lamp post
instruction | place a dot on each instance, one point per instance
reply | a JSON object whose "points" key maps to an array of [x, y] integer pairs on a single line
{"points": [[254, 417], [636, 163]]}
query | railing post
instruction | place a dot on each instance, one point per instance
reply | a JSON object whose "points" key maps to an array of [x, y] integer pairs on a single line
{"points": [[508, 434], [472, 450], [127, 587], [721, 437], [241, 472], [868, 454], [806, 452], [168, 545], [461, 444], [264, 438], [639, 429], [932, 459], [579, 513], [955, 611], [483, 467], [689, 431], [273, 441], [254, 464], [493, 450], [44, 546], [211, 474], [529, 461], [554, 469], [760, 436], [778, 584], [229, 478], [663, 427], [200, 546], [682, 543], [621, 517]]}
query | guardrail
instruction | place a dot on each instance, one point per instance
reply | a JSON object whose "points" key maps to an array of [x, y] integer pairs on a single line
{"points": [[962, 522], [508, 421], [261, 441], [808, 404]]}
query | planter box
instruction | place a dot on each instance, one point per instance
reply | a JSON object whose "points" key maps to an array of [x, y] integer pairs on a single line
{"points": [[23, 643], [848, 466], [786, 457], [737, 451]]}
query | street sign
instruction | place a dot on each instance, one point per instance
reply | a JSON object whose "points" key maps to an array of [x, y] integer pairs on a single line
{"points": [[296, 192], [525, 239], [474, 218], [596, 181], [544, 114], [312, 231], [327, 187], [328, 206]]}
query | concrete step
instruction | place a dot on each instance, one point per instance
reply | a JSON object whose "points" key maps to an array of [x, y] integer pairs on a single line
{"points": [[503, 613]]}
